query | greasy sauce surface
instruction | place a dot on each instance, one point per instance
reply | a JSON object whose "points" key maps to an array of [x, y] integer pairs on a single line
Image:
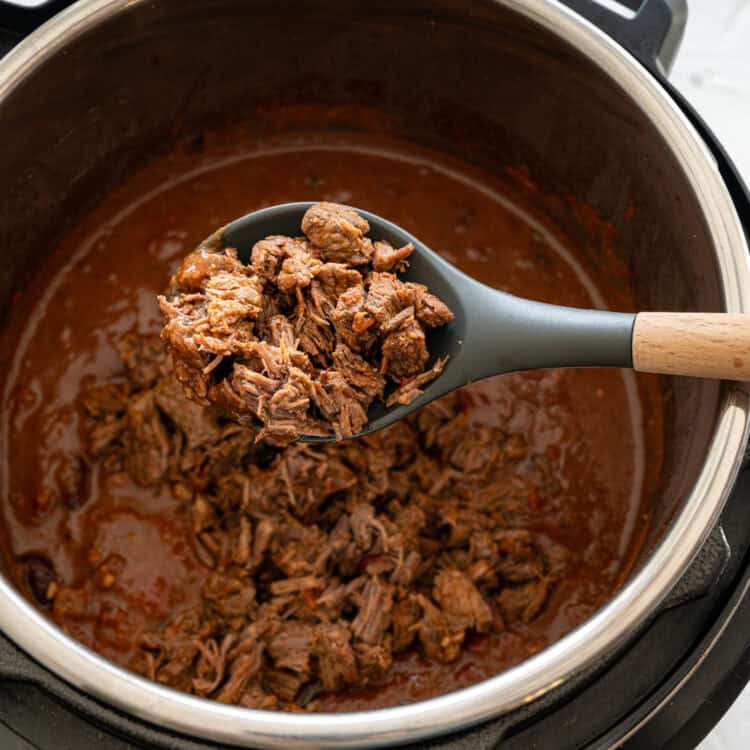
{"points": [[102, 282]]}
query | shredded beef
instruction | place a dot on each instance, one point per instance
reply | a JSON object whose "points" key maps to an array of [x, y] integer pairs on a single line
{"points": [[322, 561], [374, 616], [307, 336]]}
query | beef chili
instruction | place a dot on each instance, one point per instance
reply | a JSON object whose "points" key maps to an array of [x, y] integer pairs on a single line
{"points": [[347, 576], [305, 337]]}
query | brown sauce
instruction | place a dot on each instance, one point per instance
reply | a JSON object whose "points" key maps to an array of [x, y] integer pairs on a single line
{"points": [[602, 426]]}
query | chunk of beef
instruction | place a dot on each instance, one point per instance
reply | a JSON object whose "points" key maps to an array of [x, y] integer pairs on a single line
{"points": [[411, 388], [70, 478], [387, 258], [283, 683], [291, 646], [406, 616], [410, 519], [108, 399], [312, 328], [284, 408], [399, 320], [231, 299], [358, 373], [281, 333], [298, 268], [268, 254], [355, 326], [235, 445], [462, 605], [557, 557], [439, 641], [184, 320], [337, 664], [227, 596], [519, 559], [143, 357], [175, 650], [407, 568], [242, 672], [431, 311], [294, 585], [387, 296], [337, 230], [373, 661], [199, 424], [482, 548], [146, 441], [280, 400], [299, 549], [333, 279], [364, 526], [523, 603], [200, 265], [340, 404], [211, 664], [374, 616], [405, 351]]}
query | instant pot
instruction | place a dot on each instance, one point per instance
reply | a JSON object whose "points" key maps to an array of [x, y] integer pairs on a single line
{"points": [[577, 94]]}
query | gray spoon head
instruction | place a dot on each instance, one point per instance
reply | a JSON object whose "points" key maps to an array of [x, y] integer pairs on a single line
{"points": [[426, 267], [492, 332]]}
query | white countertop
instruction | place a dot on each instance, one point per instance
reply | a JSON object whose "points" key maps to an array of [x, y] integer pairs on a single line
{"points": [[713, 71]]}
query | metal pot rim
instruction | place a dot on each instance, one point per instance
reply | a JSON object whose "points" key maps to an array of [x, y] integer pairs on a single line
{"points": [[608, 628]]}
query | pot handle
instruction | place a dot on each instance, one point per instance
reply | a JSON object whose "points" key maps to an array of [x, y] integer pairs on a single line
{"points": [[652, 34], [704, 572]]}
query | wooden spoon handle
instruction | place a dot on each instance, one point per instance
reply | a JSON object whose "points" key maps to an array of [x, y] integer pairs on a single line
{"points": [[702, 345]]}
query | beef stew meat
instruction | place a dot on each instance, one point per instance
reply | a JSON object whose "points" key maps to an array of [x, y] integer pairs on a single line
{"points": [[307, 336], [350, 575], [325, 561]]}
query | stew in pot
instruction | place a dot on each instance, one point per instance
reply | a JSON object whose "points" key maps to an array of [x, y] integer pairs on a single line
{"points": [[354, 575]]}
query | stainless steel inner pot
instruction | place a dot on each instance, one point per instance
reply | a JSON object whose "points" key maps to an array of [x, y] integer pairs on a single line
{"points": [[108, 83]]}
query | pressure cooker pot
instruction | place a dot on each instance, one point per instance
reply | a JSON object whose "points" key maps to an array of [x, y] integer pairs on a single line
{"points": [[517, 86]]}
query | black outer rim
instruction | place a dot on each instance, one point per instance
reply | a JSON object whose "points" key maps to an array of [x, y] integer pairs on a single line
{"points": [[690, 711], [693, 699]]}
